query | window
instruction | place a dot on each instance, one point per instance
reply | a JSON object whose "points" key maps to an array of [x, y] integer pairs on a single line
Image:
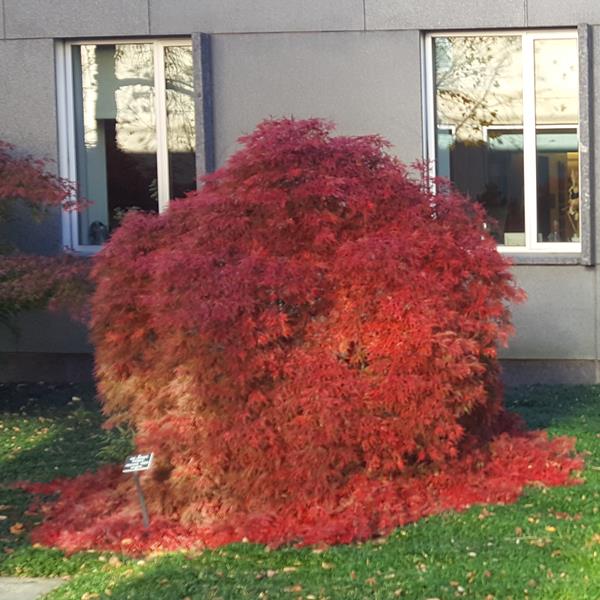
{"points": [[129, 139], [505, 115]]}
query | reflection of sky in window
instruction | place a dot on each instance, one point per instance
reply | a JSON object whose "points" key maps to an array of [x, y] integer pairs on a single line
{"points": [[556, 81], [443, 49], [89, 84]]}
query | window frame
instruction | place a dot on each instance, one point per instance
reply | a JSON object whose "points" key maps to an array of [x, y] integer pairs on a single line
{"points": [[533, 250], [65, 100]]}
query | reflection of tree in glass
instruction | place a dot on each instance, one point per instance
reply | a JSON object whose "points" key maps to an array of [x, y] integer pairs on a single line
{"points": [[556, 82], [134, 96], [179, 82], [478, 83], [119, 93], [134, 67]]}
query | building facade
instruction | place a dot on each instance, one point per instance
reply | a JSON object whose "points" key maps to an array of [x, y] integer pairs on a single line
{"points": [[135, 98]]}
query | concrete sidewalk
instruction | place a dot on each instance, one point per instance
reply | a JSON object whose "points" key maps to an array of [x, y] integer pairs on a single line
{"points": [[26, 588]]}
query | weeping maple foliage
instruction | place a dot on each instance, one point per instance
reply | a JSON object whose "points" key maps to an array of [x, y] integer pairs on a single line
{"points": [[30, 281], [28, 179], [308, 345]]}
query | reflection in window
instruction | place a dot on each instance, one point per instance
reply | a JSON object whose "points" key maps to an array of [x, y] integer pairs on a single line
{"points": [[181, 137], [557, 114], [479, 95], [487, 107], [117, 130]]}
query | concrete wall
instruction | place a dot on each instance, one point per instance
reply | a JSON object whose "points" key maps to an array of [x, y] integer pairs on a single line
{"points": [[367, 82], [235, 16], [27, 106], [95, 18], [38, 331], [558, 320], [444, 14], [75, 18]]}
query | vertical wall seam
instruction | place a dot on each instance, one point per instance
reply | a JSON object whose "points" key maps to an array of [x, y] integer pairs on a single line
{"points": [[596, 323], [204, 106], [525, 13], [148, 16], [364, 15], [208, 102], [586, 144], [592, 170], [592, 185], [596, 306], [60, 242], [3, 19]]}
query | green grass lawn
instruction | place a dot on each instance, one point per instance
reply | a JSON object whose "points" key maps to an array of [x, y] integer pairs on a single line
{"points": [[545, 546]]}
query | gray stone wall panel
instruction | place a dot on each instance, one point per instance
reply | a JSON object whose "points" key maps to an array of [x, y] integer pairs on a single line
{"points": [[235, 16], [49, 367], [444, 14], [365, 82], [27, 100], [558, 319], [558, 13], [45, 332], [75, 18], [549, 372]]}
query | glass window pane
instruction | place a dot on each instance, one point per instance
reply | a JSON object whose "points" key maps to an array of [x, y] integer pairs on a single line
{"points": [[181, 140], [116, 134], [479, 126], [557, 116]]}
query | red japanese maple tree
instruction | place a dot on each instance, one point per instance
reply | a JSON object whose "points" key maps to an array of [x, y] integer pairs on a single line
{"points": [[308, 344]]}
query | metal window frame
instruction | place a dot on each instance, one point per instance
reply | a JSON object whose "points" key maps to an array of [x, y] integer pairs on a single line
{"points": [[571, 252], [67, 156]]}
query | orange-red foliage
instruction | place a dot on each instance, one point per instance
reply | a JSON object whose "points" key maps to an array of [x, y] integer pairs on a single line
{"points": [[25, 178], [309, 347], [99, 511]]}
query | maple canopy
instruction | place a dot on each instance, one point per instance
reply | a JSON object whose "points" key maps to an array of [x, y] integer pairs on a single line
{"points": [[308, 345]]}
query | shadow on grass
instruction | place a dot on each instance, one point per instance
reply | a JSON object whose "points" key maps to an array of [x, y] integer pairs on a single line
{"points": [[54, 431], [51, 431], [555, 406], [34, 399], [46, 431]]}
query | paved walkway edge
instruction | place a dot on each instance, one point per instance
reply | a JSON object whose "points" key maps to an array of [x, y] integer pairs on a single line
{"points": [[26, 588]]}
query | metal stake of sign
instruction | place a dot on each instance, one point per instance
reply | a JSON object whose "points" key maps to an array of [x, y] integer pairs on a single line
{"points": [[138, 487], [135, 464]]}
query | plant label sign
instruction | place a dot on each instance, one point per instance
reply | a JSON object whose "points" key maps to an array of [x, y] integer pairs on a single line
{"points": [[138, 462]]}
